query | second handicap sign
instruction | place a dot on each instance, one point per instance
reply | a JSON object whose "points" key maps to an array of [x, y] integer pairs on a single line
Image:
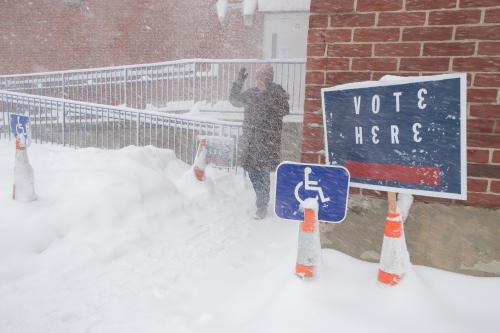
{"points": [[20, 128], [296, 182]]}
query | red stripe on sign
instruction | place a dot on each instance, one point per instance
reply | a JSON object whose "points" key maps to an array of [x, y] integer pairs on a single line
{"points": [[394, 172]]}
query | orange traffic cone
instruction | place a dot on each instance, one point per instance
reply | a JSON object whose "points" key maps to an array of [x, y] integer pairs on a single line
{"points": [[394, 256], [309, 249], [24, 188], [200, 162]]}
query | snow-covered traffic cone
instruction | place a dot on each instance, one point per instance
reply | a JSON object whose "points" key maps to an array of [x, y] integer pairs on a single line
{"points": [[394, 256], [309, 249], [200, 162], [24, 186]]}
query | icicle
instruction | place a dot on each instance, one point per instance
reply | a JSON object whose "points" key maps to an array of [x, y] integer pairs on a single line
{"points": [[249, 7], [221, 7]]}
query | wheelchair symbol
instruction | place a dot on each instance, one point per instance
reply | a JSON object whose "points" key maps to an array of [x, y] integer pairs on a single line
{"points": [[20, 131], [310, 185]]}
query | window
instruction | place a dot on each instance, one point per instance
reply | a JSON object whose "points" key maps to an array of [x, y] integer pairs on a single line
{"points": [[73, 3]]}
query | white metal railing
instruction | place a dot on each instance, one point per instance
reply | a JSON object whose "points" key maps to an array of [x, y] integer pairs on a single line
{"points": [[83, 124], [159, 84]]}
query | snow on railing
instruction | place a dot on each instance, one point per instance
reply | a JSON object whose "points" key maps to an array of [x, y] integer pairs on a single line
{"points": [[83, 124], [159, 84]]}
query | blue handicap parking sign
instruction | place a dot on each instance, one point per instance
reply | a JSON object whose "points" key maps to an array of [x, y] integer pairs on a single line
{"points": [[20, 128], [296, 182]]}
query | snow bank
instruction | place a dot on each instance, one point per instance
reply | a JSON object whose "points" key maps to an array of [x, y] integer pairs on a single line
{"points": [[127, 241]]}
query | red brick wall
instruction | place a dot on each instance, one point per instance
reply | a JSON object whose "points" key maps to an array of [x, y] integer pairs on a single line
{"points": [[49, 35], [356, 40]]}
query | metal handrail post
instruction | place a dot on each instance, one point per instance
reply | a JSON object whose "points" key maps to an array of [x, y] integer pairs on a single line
{"points": [[63, 123], [62, 88], [125, 85], [194, 81], [137, 130]]}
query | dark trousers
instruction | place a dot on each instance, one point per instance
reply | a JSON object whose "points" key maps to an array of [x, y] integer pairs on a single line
{"points": [[261, 181]]}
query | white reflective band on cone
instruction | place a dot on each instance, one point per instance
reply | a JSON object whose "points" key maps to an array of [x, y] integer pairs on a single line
{"points": [[394, 256], [200, 162], [24, 185], [309, 247]]}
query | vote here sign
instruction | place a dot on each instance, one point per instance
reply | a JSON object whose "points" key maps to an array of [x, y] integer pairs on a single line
{"points": [[405, 135], [220, 150]]}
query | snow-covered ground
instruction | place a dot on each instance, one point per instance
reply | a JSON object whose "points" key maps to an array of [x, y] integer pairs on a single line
{"points": [[128, 241]]}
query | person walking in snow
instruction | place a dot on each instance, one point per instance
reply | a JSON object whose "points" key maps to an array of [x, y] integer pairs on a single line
{"points": [[264, 108]]}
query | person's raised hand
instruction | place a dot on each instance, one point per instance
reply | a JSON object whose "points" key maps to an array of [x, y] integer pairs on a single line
{"points": [[242, 75]]}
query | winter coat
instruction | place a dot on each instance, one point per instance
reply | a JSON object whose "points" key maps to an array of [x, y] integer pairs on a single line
{"points": [[262, 124]]}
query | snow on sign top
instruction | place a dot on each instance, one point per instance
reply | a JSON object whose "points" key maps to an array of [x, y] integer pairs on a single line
{"points": [[284, 5]]}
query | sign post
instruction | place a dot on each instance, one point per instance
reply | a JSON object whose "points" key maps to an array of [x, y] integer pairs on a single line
{"points": [[24, 188], [406, 135], [309, 193]]}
